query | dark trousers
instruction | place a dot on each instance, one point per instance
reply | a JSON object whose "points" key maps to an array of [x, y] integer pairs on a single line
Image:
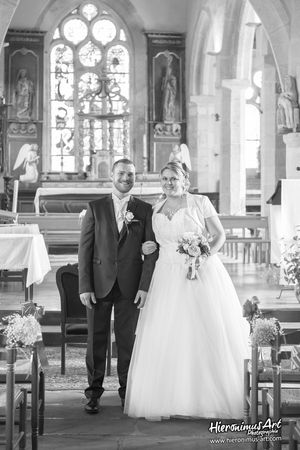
{"points": [[99, 318]]}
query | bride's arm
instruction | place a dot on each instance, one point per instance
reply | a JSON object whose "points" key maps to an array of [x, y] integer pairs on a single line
{"points": [[216, 231], [149, 247]]}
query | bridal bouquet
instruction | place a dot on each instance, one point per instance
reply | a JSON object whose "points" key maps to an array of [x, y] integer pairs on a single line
{"points": [[196, 248]]}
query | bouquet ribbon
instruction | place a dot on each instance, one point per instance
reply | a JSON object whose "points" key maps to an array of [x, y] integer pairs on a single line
{"points": [[193, 266]]}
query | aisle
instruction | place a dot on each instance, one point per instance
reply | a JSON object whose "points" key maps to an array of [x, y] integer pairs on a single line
{"points": [[67, 427]]}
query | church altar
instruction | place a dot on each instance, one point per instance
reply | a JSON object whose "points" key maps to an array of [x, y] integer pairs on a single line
{"points": [[284, 216], [74, 199]]}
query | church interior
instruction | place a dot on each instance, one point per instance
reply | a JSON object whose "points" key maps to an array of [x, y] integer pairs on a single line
{"points": [[214, 84]]}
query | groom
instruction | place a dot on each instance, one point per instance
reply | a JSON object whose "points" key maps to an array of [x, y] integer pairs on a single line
{"points": [[112, 273]]}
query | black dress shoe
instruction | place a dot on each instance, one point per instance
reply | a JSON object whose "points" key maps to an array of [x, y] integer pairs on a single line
{"points": [[92, 406]]}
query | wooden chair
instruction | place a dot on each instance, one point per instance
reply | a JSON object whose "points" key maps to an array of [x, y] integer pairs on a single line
{"points": [[294, 434], [254, 380], [28, 371], [282, 402], [73, 313], [10, 399]]}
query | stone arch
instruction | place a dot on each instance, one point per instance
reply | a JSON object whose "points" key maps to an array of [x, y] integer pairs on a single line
{"points": [[197, 53], [245, 44], [276, 23], [7, 10]]}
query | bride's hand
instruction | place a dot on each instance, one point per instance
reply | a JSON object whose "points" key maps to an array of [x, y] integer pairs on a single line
{"points": [[201, 261], [149, 247]]}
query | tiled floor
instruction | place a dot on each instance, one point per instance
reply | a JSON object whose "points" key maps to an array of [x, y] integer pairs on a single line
{"points": [[249, 280], [67, 426]]}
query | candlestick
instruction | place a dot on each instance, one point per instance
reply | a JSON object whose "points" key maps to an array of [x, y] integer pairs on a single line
{"points": [[15, 196], [145, 155], [296, 119]]}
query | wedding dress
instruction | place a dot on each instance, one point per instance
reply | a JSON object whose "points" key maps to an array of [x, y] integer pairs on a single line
{"points": [[191, 338]]}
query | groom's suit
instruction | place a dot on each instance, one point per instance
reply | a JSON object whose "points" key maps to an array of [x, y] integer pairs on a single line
{"points": [[111, 266]]}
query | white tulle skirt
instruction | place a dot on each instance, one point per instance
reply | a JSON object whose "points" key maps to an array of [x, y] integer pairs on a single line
{"points": [[190, 344]]}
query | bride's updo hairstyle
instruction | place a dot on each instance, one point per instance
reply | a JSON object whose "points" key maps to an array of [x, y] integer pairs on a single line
{"points": [[180, 170]]}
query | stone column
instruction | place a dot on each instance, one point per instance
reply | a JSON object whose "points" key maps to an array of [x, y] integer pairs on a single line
{"points": [[292, 142], [268, 136], [233, 171], [202, 141]]}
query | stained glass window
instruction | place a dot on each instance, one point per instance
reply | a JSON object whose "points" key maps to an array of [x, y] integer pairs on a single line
{"points": [[90, 92]]}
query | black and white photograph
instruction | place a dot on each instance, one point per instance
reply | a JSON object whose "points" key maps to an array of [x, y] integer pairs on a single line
{"points": [[150, 224]]}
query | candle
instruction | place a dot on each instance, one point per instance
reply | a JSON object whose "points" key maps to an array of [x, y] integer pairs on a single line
{"points": [[15, 196], [145, 153], [296, 118]]}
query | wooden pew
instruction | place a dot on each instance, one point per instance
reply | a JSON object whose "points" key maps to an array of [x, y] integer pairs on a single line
{"points": [[250, 231], [64, 229], [58, 229]]}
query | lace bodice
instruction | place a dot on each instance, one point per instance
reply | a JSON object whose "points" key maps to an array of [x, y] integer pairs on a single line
{"points": [[191, 218]]}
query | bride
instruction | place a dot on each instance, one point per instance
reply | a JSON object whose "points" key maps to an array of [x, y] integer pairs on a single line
{"points": [[191, 337]]}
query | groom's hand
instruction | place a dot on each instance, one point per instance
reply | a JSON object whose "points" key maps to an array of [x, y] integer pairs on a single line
{"points": [[87, 298], [140, 299]]}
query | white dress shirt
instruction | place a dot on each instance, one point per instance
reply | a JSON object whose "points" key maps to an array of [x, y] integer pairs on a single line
{"points": [[120, 206]]}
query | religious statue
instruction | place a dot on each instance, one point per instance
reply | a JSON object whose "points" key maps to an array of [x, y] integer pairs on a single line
{"points": [[24, 92], [29, 158], [288, 108], [181, 154], [169, 89]]}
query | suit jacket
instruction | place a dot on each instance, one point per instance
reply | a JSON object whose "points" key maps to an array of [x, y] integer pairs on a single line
{"points": [[106, 255]]}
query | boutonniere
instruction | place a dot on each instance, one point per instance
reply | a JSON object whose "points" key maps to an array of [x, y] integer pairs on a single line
{"points": [[128, 218]]}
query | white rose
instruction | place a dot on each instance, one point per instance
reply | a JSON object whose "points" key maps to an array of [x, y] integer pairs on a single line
{"points": [[129, 216]]}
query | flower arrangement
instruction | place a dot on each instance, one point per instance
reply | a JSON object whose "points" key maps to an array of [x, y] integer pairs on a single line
{"points": [[196, 249], [264, 331], [21, 331], [291, 261], [32, 308], [251, 311]]}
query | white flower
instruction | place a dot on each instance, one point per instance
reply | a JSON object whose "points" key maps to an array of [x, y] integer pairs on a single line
{"points": [[189, 236], [22, 331], [194, 250], [82, 214], [128, 217]]}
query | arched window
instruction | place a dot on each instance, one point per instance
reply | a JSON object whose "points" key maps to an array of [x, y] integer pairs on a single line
{"points": [[90, 90]]}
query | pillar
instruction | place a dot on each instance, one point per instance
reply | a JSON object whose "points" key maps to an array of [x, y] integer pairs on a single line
{"points": [[233, 171], [202, 143]]}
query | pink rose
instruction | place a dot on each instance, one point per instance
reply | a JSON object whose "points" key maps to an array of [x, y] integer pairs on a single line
{"points": [[194, 250]]}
